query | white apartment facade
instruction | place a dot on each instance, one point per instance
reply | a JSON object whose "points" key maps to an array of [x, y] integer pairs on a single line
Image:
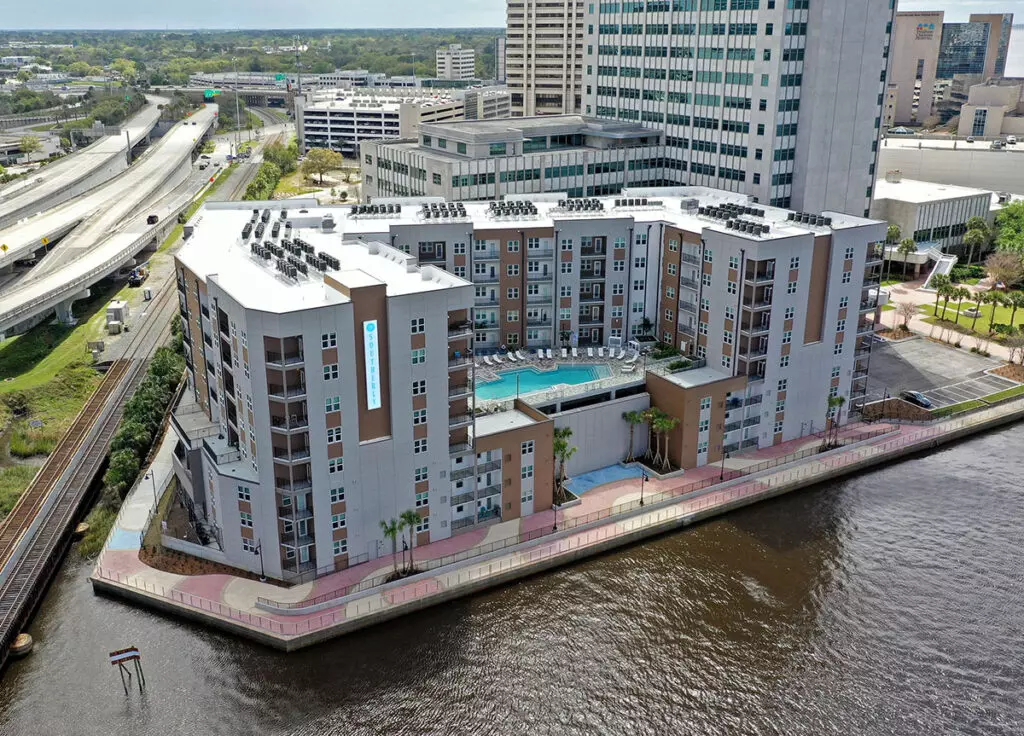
{"points": [[544, 56], [749, 94], [455, 62]]}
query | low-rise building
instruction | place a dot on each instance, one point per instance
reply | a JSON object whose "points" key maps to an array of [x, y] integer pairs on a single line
{"points": [[993, 109], [455, 62], [489, 159], [339, 371]]}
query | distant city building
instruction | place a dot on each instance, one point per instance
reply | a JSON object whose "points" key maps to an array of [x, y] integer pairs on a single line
{"points": [[993, 109], [914, 49], [488, 160], [485, 103], [978, 46], [544, 57], [499, 60], [455, 62], [17, 61], [749, 99]]}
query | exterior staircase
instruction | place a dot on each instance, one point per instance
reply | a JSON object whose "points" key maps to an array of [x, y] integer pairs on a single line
{"points": [[944, 263]]}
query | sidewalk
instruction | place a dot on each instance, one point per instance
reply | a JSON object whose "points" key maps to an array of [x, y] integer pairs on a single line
{"points": [[293, 618]]}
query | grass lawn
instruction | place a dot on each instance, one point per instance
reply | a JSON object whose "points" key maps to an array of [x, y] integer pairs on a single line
{"points": [[293, 185], [13, 482], [888, 308], [100, 520], [957, 408], [894, 281], [42, 128], [1002, 314], [1007, 394]]}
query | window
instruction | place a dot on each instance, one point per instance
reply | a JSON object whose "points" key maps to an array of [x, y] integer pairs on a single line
{"points": [[794, 262], [835, 371], [638, 308], [526, 472], [638, 284], [846, 277], [513, 293], [564, 290], [833, 392], [419, 388], [340, 547], [565, 313], [617, 312], [640, 262], [566, 244], [512, 246], [422, 499], [618, 289], [841, 325], [246, 519], [459, 249], [777, 427], [727, 337], [332, 403], [849, 254], [337, 495], [838, 349], [423, 526], [419, 446], [669, 315], [784, 361], [730, 312], [705, 403], [512, 269], [419, 356], [244, 494], [419, 416], [336, 465], [734, 261], [780, 405], [512, 315], [705, 304], [787, 337], [791, 287], [671, 269], [417, 326], [670, 292], [707, 256], [330, 371], [726, 361], [790, 311], [705, 279], [704, 425], [337, 521], [702, 328], [526, 496], [248, 545], [702, 447], [730, 287], [783, 382], [329, 340], [333, 435], [527, 447], [566, 267], [844, 302]]}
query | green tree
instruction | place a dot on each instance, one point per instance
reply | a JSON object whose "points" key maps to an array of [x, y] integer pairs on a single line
{"points": [[122, 471], [79, 69], [563, 452], [996, 299], [938, 281], [893, 233], [410, 519], [321, 160], [284, 157], [1010, 228], [962, 292], [29, 144], [946, 292], [1005, 267], [391, 531], [666, 424], [633, 418], [906, 248], [134, 436], [976, 239], [646, 326], [1015, 300]]}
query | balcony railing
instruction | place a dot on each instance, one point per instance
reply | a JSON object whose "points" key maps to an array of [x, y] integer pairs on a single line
{"points": [[278, 360], [754, 352], [586, 298], [462, 389], [865, 328], [280, 392], [463, 329], [462, 523], [868, 304], [870, 281], [763, 304], [688, 283], [687, 330], [459, 448], [538, 321], [294, 539], [733, 426], [293, 513], [490, 254], [491, 490], [459, 420], [688, 307], [760, 277], [687, 258], [593, 251], [485, 301], [540, 252], [586, 273], [752, 421], [539, 299], [460, 362], [283, 453], [461, 499], [285, 486], [588, 319], [755, 330], [485, 278], [535, 276]]}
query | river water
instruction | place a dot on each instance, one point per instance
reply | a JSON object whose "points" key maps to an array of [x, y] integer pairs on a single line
{"points": [[892, 603]]}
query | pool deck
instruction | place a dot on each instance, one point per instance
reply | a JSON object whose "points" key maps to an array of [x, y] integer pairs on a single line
{"points": [[608, 516]]}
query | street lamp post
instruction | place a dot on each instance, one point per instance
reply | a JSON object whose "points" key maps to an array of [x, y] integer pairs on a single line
{"points": [[152, 478], [643, 480], [725, 456], [259, 551]]}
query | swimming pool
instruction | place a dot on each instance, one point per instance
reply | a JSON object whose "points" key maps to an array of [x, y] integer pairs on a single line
{"points": [[531, 379]]}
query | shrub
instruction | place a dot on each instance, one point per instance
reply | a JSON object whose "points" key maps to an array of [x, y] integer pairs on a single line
{"points": [[121, 473], [1002, 329], [679, 365]]}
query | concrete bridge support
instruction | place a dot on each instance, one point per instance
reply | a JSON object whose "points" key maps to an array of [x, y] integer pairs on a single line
{"points": [[64, 313]]}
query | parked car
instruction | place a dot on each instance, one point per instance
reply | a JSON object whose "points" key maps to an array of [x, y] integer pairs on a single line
{"points": [[997, 145], [152, 219], [970, 139], [204, 156], [1011, 140], [916, 398]]}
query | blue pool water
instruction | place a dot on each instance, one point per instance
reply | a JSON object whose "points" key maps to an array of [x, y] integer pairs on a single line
{"points": [[531, 379]]}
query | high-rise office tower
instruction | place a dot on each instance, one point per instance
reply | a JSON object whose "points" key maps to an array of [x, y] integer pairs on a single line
{"points": [[915, 57], [500, 73], [545, 56], [455, 62], [781, 100], [977, 47], [1000, 25]]}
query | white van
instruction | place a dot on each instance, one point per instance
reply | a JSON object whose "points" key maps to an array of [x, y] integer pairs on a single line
{"points": [[1012, 140]]}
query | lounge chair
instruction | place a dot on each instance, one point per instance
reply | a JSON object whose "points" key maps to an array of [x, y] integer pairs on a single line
{"points": [[497, 360], [590, 353], [487, 360], [621, 355], [628, 367], [550, 356], [522, 356], [539, 354], [632, 358], [511, 357], [575, 354], [600, 352], [565, 353]]}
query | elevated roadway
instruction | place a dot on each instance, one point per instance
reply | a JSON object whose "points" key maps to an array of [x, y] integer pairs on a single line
{"points": [[101, 208], [72, 175]]}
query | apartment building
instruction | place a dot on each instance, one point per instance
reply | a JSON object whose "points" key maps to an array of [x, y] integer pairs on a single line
{"points": [[748, 93], [462, 161], [544, 56], [398, 300], [455, 62], [915, 59], [342, 119], [327, 393]]}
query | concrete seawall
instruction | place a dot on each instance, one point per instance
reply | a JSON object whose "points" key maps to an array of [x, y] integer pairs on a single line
{"points": [[567, 547]]}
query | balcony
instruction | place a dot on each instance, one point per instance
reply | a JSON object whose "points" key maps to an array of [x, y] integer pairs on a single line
{"points": [[590, 298], [688, 307], [485, 326], [459, 390], [283, 454], [293, 513], [283, 485], [485, 278], [294, 539], [687, 330], [589, 274], [485, 301], [755, 330], [754, 353], [459, 420], [535, 276], [688, 283], [760, 277], [488, 254], [461, 499], [859, 374], [733, 426], [540, 252], [275, 391], [871, 282], [687, 258], [758, 306], [460, 330], [590, 320], [462, 523], [277, 360], [491, 490], [865, 329], [538, 321], [868, 305], [593, 251], [731, 448], [459, 448], [459, 362], [221, 452], [539, 299]]}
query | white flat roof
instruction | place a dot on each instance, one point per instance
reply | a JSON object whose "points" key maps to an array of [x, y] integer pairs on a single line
{"points": [[215, 251], [697, 377], [502, 422], [922, 192]]}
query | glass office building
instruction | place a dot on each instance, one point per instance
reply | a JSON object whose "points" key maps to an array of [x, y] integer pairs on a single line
{"points": [[963, 49]]}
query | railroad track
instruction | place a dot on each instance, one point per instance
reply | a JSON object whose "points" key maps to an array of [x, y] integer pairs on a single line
{"points": [[38, 531]]}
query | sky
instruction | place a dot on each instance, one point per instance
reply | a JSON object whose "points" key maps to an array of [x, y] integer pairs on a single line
{"points": [[74, 14]]}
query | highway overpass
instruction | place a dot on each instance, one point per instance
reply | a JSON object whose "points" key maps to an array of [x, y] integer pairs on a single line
{"points": [[113, 226], [55, 183]]}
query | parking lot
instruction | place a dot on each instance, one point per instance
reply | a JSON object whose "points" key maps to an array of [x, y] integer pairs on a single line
{"points": [[945, 375]]}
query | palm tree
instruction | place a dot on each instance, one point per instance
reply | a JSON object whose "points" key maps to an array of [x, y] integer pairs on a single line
{"points": [[938, 281], [410, 519], [907, 246], [892, 236], [658, 424], [975, 238], [563, 452], [982, 299], [650, 416], [962, 292], [668, 423], [997, 299], [837, 402], [1015, 299], [391, 531], [633, 418], [646, 325], [947, 292]]}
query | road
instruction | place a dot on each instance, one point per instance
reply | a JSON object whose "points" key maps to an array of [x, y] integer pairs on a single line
{"points": [[35, 193], [113, 200]]}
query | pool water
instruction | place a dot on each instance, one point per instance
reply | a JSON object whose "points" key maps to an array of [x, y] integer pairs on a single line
{"points": [[531, 379]]}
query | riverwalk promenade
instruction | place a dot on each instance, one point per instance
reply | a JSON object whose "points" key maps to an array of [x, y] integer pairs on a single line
{"points": [[608, 516]]}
